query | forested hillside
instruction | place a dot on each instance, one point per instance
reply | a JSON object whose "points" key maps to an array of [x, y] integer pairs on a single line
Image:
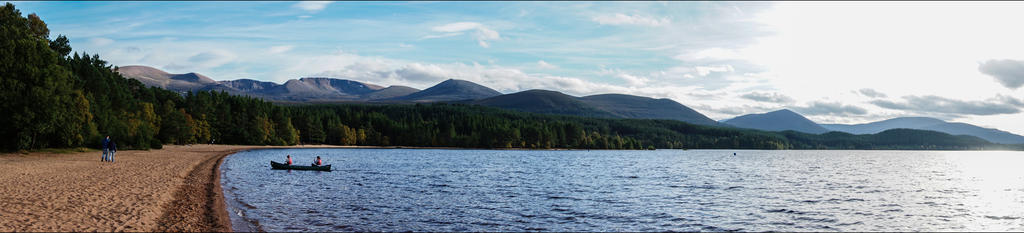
{"points": [[474, 126], [484, 127]]}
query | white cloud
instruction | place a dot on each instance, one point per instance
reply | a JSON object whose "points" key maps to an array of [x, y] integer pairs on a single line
{"points": [[100, 41], [767, 97], [385, 72], [817, 40], [281, 49], [457, 27], [941, 105], [623, 19], [312, 6], [545, 65], [450, 34], [633, 80], [204, 60], [710, 54], [481, 33], [706, 70], [1008, 72], [816, 108], [871, 93]]}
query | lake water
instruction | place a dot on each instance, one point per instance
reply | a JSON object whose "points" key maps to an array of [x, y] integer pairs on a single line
{"points": [[663, 190]]}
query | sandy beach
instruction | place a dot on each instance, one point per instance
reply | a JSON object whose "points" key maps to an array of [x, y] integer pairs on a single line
{"points": [[173, 189]]}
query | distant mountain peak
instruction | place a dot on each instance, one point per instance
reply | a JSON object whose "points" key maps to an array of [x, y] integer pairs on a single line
{"points": [[778, 120], [159, 78], [452, 90], [784, 110]]}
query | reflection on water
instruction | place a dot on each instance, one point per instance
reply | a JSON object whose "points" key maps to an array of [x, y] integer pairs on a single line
{"points": [[694, 190]]}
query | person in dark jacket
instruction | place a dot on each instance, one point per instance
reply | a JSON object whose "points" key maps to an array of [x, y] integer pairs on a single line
{"points": [[106, 148], [113, 150]]}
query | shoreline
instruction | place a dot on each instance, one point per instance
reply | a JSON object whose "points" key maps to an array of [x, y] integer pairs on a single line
{"points": [[176, 188], [200, 204]]}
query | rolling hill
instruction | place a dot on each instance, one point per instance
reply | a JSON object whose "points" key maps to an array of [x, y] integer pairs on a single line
{"points": [[926, 123], [780, 120], [544, 101], [639, 107], [390, 92], [879, 126], [607, 106], [451, 90]]}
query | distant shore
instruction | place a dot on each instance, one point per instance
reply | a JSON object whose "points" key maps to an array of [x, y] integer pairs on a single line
{"points": [[172, 189]]}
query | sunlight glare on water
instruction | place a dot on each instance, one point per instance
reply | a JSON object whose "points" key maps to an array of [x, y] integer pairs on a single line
{"points": [[991, 184]]}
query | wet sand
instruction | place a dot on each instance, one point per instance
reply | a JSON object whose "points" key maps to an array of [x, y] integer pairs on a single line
{"points": [[173, 189]]}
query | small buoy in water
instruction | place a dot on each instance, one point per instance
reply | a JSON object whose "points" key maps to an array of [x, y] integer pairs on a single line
{"points": [[734, 153]]}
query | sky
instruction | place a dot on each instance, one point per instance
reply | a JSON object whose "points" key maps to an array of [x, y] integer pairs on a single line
{"points": [[834, 62]]}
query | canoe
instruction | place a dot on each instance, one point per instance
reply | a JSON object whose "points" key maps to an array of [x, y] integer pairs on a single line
{"points": [[276, 165]]}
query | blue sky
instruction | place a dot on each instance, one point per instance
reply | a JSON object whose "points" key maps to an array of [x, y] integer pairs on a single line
{"points": [[845, 62]]}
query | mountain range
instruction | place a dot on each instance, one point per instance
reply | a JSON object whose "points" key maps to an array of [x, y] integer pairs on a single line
{"points": [[303, 89], [452, 90], [926, 123], [782, 120], [319, 89]]}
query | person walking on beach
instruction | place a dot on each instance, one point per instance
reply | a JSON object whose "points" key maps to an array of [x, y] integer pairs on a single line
{"points": [[113, 150], [106, 148]]}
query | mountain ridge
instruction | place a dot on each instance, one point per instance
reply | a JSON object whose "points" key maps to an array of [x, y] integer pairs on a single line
{"points": [[927, 123], [159, 78], [640, 107], [545, 102], [451, 90], [324, 89], [604, 105], [302, 89]]}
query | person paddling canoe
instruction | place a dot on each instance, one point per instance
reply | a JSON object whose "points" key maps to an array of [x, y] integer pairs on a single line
{"points": [[289, 162], [317, 162]]}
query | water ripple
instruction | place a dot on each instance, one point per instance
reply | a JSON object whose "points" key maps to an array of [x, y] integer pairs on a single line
{"points": [[663, 190]]}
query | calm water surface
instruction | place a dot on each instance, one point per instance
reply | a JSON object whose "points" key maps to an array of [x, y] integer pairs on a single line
{"points": [[694, 190]]}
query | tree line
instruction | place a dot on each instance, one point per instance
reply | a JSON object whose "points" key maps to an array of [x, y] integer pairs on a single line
{"points": [[53, 98]]}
